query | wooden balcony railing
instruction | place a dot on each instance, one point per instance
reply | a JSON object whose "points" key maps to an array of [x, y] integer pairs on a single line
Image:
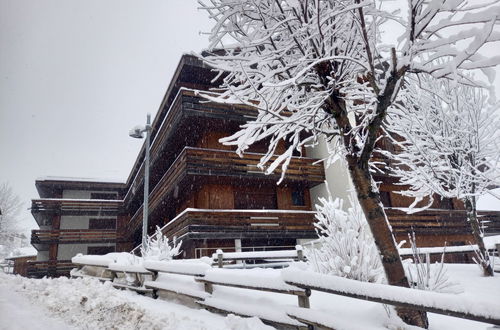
{"points": [[49, 268], [221, 163], [440, 222], [222, 224], [68, 236], [43, 209], [185, 104]]}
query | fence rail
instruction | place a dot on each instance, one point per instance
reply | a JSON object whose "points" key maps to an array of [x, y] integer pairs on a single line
{"points": [[300, 283]]}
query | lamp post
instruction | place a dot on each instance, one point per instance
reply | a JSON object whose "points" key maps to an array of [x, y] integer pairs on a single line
{"points": [[138, 133]]}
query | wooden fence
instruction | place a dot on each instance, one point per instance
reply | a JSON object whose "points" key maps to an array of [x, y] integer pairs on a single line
{"points": [[292, 282]]}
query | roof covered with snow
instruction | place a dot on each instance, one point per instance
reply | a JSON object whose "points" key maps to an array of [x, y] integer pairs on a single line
{"points": [[80, 179]]}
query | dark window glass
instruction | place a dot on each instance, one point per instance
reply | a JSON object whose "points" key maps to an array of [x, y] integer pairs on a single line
{"points": [[100, 249], [103, 196], [447, 203], [385, 196], [102, 223], [298, 197]]}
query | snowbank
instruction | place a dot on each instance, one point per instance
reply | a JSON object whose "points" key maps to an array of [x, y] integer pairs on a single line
{"points": [[88, 304], [454, 303]]}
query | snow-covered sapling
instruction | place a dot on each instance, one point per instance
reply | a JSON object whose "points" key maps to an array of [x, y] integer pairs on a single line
{"points": [[158, 247], [426, 276], [345, 246]]}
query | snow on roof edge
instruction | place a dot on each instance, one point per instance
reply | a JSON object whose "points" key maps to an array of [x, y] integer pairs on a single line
{"points": [[78, 179]]}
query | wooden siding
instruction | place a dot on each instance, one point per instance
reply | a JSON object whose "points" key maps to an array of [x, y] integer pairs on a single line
{"points": [[50, 268], [240, 224], [198, 162], [21, 264], [439, 222], [45, 210], [70, 236]]}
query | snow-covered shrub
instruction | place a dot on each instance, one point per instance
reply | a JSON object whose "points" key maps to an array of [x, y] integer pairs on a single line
{"points": [[159, 248], [346, 247], [423, 275]]}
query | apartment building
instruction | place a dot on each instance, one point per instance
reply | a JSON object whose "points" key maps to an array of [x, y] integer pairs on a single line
{"points": [[201, 192], [204, 194]]}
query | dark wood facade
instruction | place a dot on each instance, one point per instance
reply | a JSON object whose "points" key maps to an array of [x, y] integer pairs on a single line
{"points": [[75, 217], [443, 223], [20, 264], [201, 192], [204, 194]]}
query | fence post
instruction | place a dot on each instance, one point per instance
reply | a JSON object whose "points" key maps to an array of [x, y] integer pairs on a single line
{"points": [[220, 261], [304, 300], [300, 253], [209, 288]]}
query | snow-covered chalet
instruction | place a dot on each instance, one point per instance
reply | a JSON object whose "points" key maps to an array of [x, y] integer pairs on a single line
{"points": [[204, 194]]}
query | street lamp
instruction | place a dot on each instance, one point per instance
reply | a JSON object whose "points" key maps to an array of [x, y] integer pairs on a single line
{"points": [[138, 133]]}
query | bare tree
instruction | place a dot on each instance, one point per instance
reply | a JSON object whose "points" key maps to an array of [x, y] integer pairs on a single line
{"points": [[317, 68], [10, 206], [449, 144]]}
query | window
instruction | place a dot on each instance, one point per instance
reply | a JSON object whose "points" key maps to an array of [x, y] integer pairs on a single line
{"points": [[385, 197], [107, 223], [446, 203], [99, 250], [298, 197], [103, 195]]}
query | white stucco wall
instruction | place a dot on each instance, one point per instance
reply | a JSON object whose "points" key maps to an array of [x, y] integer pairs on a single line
{"points": [[337, 176], [83, 194], [68, 251], [79, 221], [42, 256]]}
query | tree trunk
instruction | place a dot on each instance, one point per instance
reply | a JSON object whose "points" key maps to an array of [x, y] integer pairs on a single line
{"points": [[369, 199], [470, 206]]}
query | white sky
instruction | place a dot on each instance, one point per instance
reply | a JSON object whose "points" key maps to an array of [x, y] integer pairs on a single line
{"points": [[75, 76]]}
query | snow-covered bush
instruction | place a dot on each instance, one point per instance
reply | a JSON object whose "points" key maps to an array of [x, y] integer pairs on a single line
{"points": [[346, 247], [159, 248], [423, 275]]}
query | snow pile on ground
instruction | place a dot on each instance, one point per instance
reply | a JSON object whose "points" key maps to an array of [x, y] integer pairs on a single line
{"points": [[122, 258], [88, 304]]}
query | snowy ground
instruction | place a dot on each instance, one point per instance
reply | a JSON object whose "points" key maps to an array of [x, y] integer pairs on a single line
{"points": [[87, 304]]}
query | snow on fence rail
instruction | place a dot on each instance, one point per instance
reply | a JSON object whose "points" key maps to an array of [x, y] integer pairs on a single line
{"points": [[196, 278], [221, 257], [434, 302], [443, 249]]}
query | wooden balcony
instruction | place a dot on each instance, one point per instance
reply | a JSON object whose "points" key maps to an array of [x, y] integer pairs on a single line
{"points": [[49, 268], [199, 162], [186, 106], [231, 224], [43, 210], [41, 238], [440, 222]]}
